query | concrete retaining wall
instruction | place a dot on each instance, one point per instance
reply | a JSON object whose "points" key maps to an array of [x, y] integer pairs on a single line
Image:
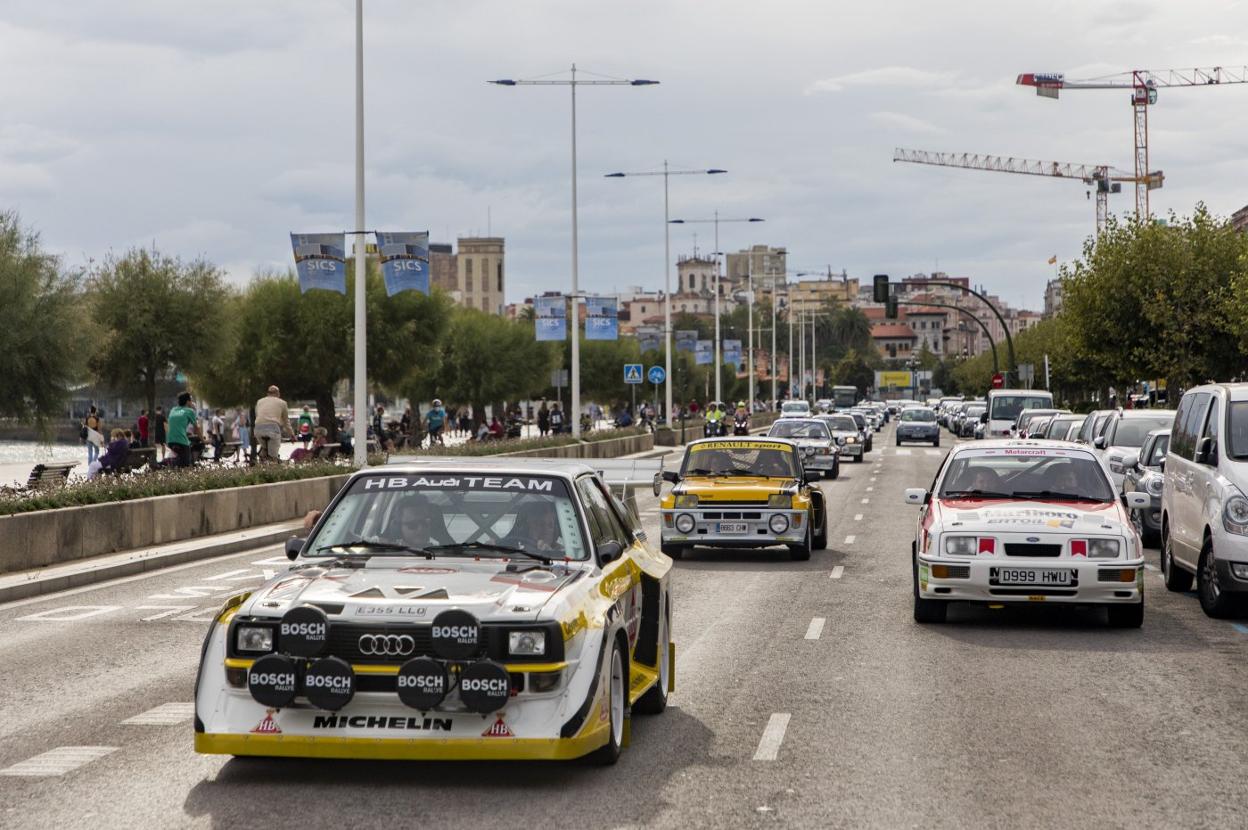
{"points": [[692, 430], [611, 448], [48, 537]]}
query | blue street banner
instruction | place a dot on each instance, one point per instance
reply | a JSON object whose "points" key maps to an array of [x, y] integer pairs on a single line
{"points": [[704, 353], [321, 261], [649, 341], [404, 261], [551, 317], [732, 353], [686, 340], [601, 319]]}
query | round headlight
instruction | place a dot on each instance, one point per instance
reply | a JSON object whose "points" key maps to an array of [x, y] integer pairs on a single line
{"points": [[778, 523], [685, 523], [840, 440], [1155, 485], [810, 450]]}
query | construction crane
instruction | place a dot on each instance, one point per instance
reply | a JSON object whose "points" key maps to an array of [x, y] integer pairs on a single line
{"points": [[1104, 178], [1143, 84]]}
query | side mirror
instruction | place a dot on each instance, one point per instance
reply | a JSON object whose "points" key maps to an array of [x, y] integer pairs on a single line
{"points": [[1136, 500], [1204, 451], [293, 546], [916, 495], [1099, 442], [811, 475], [1161, 465], [1131, 460], [983, 418], [610, 551], [672, 476]]}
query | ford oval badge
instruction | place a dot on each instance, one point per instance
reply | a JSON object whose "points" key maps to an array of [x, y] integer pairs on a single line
{"points": [[1033, 539]]}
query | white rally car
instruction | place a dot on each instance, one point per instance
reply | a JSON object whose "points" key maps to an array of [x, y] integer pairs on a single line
{"points": [[1026, 522], [447, 609]]}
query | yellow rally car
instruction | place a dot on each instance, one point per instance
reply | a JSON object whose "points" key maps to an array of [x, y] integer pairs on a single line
{"points": [[744, 493]]}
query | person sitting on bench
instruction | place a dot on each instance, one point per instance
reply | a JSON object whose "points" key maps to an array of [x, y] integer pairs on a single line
{"points": [[111, 458]]}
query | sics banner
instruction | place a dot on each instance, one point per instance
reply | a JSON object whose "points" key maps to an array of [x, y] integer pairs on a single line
{"points": [[686, 340], [321, 261], [404, 261], [704, 353], [732, 353], [551, 318], [602, 319]]}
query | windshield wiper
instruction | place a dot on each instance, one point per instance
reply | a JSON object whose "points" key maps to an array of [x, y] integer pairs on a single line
{"points": [[980, 494], [378, 547], [1056, 495], [546, 560]]}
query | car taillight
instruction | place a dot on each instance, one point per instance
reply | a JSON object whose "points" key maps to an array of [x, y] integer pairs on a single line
{"points": [[988, 545], [1079, 547]]}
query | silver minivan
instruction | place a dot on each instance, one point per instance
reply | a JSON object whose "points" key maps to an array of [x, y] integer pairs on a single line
{"points": [[1204, 509]]}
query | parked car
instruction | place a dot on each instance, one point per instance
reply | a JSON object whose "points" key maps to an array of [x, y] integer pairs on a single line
{"points": [[1093, 425], [1059, 427], [1146, 476], [1004, 406], [1204, 509], [969, 420], [1022, 424], [1124, 434]]}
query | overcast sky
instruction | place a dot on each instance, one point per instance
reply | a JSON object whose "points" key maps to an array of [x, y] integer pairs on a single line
{"points": [[215, 129]]}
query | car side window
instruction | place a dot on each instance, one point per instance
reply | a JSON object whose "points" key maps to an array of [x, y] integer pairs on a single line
{"points": [[591, 516], [617, 514], [1085, 431], [1211, 428], [1177, 437], [604, 525], [1192, 424]]}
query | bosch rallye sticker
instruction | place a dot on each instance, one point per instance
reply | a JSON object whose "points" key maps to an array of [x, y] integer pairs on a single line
{"points": [[303, 632], [422, 683], [329, 683], [456, 635], [484, 687], [273, 680]]}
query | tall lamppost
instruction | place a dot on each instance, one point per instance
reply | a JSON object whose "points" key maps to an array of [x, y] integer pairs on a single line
{"points": [[360, 392], [572, 83], [718, 256], [667, 268]]}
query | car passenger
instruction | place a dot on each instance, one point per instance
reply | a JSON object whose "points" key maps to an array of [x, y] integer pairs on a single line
{"points": [[536, 529], [416, 523]]}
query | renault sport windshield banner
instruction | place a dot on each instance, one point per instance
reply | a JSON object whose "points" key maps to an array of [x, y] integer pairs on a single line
{"points": [[404, 261], [321, 261], [602, 319], [551, 318], [732, 353], [705, 352], [686, 340]]}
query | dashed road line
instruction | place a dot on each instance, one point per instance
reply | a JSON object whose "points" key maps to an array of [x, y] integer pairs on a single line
{"points": [[815, 628], [903, 452], [857, 517], [871, 489], [166, 714], [69, 758], [68, 613], [773, 737], [849, 540], [932, 452], [1149, 567], [837, 571], [866, 501]]}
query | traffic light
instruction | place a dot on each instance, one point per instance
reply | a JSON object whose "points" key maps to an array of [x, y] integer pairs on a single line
{"points": [[890, 307], [880, 288]]}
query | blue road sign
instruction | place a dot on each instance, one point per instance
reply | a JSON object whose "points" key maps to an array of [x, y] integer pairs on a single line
{"points": [[632, 373], [656, 375]]}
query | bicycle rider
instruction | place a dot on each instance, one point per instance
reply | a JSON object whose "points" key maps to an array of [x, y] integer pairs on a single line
{"points": [[436, 419]]}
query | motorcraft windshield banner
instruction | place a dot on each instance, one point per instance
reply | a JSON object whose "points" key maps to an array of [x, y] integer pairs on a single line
{"points": [[705, 353], [321, 260], [686, 340], [602, 319], [551, 318], [732, 353], [404, 261]]}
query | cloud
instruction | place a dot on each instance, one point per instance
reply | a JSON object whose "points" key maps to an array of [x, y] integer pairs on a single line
{"points": [[909, 123], [888, 76]]}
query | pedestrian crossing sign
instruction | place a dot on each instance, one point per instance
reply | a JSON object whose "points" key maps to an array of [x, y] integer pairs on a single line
{"points": [[632, 373]]}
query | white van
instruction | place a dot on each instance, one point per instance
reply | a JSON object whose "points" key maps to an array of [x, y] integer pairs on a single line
{"points": [[1004, 406]]}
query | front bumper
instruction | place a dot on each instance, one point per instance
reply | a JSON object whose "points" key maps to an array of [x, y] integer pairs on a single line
{"points": [[1090, 586], [917, 435], [851, 450], [757, 533], [819, 462]]}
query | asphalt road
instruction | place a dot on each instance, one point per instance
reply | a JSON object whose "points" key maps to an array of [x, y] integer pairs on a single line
{"points": [[805, 697]]}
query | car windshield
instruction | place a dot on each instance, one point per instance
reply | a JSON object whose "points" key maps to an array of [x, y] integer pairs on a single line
{"points": [[975, 411], [1039, 474], [1237, 434], [918, 415], [1007, 407], [734, 458], [800, 429], [841, 423], [795, 406], [1160, 447], [1130, 432], [858, 419], [452, 514]]}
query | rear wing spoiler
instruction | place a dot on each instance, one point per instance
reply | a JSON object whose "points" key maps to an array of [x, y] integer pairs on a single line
{"points": [[629, 473]]}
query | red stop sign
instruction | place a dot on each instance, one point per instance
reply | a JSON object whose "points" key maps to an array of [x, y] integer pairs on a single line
{"points": [[998, 380]]}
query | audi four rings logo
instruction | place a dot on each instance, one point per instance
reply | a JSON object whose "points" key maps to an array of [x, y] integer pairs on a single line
{"points": [[387, 645]]}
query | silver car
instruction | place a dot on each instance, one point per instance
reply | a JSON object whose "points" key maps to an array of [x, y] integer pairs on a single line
{"points": [[918, 424], [814, 442], [846, 434], [1146, 476]]}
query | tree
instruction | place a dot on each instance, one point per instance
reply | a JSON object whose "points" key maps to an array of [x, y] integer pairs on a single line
{"points": [[41, 328], [854, 370], [156, 315]]}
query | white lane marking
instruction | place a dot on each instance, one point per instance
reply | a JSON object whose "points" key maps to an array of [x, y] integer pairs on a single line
{"points": [[773, 737], [866, 501], [166, 714], [241, 573], [815, 628], [1148, 567], [165, 611], [188, 592], [871, 489], [58, 761], [837, 570], [857, 517], [932, 452], [903, 452], [849, 540], [873, 478], [68, 613]]}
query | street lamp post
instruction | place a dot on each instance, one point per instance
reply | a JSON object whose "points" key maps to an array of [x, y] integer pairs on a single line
{"points": [[572, 84], [360, 392], [667, 268], [718, 255]]}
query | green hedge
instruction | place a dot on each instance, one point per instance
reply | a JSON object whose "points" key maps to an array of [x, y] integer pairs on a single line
{"points": [[161, 483], [474, 448]]}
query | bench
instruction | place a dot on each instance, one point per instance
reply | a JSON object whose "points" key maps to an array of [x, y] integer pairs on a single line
{"points": [[229, 450], [326, 451], [136, 459], [49, 474]]}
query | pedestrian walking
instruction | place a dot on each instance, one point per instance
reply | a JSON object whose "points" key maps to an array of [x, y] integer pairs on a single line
{"points": [[242, 430], [543, 420], [92, 434], [272, 422], [181, 417], [160, 431], [216, 434], [145, 426], [556, 419]]}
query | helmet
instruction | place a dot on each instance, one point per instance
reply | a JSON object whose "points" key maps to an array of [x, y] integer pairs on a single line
{"points": [[437, 402]]}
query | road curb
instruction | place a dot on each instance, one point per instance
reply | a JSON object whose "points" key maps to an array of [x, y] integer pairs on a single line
{"points": [[61, 577]]}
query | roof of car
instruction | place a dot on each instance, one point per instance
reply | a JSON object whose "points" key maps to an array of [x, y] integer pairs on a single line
{"points": [[1234, 391], [1017, 444], [460, 465], [1144, 413]]}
